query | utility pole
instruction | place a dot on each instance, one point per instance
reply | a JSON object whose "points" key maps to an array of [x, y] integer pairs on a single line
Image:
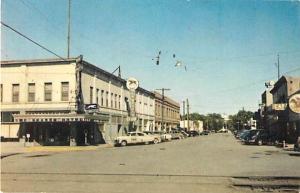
{"points": [[162, 105], [119, 74], [69, 27], [183, 109], [188, 114], [278, 69]]}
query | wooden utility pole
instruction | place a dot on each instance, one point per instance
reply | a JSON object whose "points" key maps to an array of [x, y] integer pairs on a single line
{"points": [[188, 114], [162, 105], [278, 69], [183, 110], [69, 27]]}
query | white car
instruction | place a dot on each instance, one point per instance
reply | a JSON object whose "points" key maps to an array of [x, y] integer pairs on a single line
{"points": [[136, 137], [164, 136]]}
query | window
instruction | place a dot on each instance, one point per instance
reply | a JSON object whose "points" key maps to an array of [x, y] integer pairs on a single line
{"points": [[65, 91], [102, 97], [1, 92], [8, 116], [116, 100], [15, 92], [48, 91], [106, 98], [111, 102], [31, 92], [97, 95], [119, 101], [91, 94]]}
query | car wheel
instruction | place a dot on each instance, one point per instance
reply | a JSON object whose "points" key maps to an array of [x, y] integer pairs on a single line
{"points": [[155, 141], [123, 143], [259, 142]]}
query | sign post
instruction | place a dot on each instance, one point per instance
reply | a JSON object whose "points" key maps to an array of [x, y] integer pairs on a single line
{"points": [[132, 84]]}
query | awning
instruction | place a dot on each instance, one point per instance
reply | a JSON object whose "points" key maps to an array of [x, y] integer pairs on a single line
{"points": [[70, 117]]}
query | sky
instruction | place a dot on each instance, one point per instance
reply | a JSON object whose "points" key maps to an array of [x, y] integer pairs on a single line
{"points": [[228, 47]]}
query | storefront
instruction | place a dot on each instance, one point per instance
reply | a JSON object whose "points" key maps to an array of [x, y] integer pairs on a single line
{"points": [[68, 129]]}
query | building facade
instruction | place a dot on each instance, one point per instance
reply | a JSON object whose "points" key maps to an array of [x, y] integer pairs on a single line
{"points": [[167, 113], [49, 101], [285, 124]]}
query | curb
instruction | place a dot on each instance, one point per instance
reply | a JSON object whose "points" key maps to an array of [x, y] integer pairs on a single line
{"points": [[65, 148]]}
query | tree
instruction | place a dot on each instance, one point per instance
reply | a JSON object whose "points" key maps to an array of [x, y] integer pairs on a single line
{"points": [[212, 121], [239, 120]]}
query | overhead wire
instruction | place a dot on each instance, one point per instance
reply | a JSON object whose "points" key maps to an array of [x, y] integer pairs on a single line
{"points": [[31, 40]]}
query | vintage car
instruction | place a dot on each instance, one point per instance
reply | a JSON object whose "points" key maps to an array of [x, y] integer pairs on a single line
{"points": [[135, 138], [163, 135]]}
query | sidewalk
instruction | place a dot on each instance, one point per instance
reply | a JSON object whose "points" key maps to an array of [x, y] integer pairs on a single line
{"points": [[12, 148]]}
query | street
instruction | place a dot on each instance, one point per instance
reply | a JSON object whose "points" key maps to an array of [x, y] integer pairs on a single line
{"points": [[213, 163]]}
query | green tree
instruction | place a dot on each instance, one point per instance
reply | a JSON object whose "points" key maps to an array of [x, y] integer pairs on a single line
{"points": [[239, 120]]}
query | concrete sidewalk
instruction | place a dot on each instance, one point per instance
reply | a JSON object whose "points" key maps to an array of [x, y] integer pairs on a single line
{"points": [[12, 148]]}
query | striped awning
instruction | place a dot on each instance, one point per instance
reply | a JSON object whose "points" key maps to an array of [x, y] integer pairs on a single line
{"points": [[70, 117]]}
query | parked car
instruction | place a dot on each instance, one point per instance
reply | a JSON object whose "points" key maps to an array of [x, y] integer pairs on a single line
{"points": [[241, 134], [193, 133], [135, 138], [257, 137], [205, 132], [185, 134], [157, 135], [176, 134], [164, 136], [238, 133]]}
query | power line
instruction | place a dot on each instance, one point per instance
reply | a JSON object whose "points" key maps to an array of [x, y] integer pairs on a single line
{"points": [[24, 36]]}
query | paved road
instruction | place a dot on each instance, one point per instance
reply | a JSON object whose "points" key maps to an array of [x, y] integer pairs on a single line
{"points": [[213, 163]]}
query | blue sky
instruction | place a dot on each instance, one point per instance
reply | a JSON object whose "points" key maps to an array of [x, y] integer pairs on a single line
{"points": [[229, 47]]}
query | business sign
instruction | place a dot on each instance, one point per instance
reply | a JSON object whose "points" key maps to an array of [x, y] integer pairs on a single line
{"points": [[294, 103], [279, 107], [132, 84], [91, 108]]}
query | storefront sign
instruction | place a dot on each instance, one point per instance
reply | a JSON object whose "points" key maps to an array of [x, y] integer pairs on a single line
{"points": [[132, 84], [294, 103], [279, 107], [91, 108]]}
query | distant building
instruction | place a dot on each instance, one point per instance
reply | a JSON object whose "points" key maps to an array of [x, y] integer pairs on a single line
{"points": [[193, 125], [170, 116], [265, 117], [70, 101]]}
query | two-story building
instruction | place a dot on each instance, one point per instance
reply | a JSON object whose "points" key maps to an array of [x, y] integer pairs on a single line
{"points": [[67, 101], [287, 123], [167, 113]]}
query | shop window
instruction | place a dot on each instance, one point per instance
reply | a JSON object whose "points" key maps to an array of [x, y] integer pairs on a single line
{"points": [[8, 116]]}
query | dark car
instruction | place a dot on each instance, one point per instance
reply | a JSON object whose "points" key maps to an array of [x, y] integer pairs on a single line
{"points": [[205, 132], [257, 137], [193, 133], [240, 132], [243, 135]]}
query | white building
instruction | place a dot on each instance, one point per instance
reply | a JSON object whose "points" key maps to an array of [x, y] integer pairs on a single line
{"points": [[47, 98], [193, 125]]}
